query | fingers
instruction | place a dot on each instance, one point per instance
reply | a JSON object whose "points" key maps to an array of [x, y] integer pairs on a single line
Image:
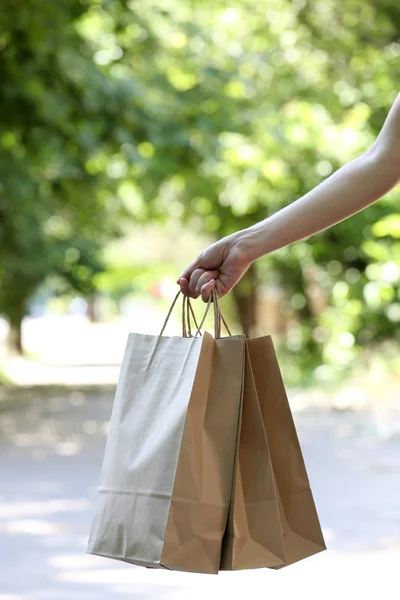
{"points": [[188, 284], [198, 279], [188, 287], [193, 281], [184, 283], [207, 289], [204, 278]]}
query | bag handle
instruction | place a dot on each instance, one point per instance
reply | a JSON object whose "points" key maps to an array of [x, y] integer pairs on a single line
{"points": [[218, 316], [187, 312]]}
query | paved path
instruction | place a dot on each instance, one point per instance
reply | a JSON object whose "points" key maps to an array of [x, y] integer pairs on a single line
{"points": [[51, 453]]}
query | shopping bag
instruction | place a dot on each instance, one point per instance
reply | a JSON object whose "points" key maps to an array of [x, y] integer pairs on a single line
{"points": [[273, 520], [167, 473]]}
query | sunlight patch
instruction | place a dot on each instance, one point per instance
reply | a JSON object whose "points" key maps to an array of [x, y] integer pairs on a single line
{"points": [[31, 527], [22, 509], [68, 448]]}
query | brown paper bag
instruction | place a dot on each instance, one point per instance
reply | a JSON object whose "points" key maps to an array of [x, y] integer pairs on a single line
{"points": [[167, 473], [272, 521]]}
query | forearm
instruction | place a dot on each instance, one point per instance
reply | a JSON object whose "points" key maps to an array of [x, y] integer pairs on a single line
{"points": [[352, 188], [346, 192]]}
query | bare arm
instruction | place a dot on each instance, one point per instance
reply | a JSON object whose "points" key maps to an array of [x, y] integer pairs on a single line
{"points": [[352, 188]]}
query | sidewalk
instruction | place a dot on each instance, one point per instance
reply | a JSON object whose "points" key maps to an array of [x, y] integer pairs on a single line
{"points": [[69, 350], [72, 352], [51, 451]]}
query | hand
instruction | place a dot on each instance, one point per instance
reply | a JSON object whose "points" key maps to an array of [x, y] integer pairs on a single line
{"points": [[221, 266]]}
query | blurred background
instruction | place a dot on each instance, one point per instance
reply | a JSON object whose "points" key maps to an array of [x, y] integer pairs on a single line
{"points": [[133, 135]]}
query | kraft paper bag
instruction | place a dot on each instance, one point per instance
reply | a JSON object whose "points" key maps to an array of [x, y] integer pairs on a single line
{"points": [[167, 474], [273, 520]]}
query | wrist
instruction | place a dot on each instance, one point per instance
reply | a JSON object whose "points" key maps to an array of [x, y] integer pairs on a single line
{"points": [[255, 241]]}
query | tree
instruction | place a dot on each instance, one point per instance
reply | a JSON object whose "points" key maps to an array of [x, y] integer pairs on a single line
{"points": [[62, 116], [253, 106], [211, 114]]}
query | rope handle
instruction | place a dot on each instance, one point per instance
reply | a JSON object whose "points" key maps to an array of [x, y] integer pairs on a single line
{"points": [[218, 316], [187, 309], [187, 313]]}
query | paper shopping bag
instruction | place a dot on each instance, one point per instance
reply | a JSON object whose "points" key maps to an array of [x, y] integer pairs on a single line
{"points": [[168, 466], [273, 520], [253, 536]]}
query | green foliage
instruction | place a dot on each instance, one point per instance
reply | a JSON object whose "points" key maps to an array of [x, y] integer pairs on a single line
{"points": [[124, 278], [59, 112], [216, 114], [260, 102]]}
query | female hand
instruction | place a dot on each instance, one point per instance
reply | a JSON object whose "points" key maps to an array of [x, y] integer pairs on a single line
{"points": [[221, 266]]}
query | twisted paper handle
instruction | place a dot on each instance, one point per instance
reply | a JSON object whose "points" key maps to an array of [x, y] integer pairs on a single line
{"points": [[187, 313], [187, 310], [218, 316]]}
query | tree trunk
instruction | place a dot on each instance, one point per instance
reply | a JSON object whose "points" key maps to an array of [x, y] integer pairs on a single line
{"points": [[91, 309], [15, 347], [245, 295]]}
